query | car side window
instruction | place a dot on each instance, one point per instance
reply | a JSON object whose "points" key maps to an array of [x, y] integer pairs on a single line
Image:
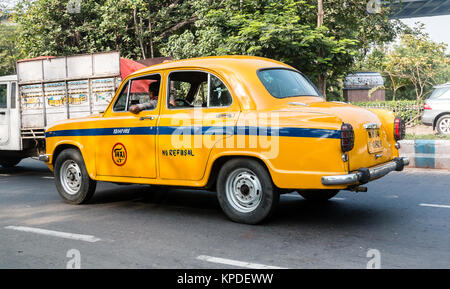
{"points": [[196, 89], [145, 91], [185, 89], [121, 102], [218, 93]]}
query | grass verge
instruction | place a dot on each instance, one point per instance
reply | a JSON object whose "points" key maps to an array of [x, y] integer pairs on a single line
{"points": [[427, 136]]}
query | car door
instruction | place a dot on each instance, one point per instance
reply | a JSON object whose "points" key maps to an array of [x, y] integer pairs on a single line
{"points": [[127, 145], [198, 114]]}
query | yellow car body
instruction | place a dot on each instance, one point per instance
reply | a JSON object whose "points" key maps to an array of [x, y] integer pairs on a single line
{"points": [[297, 139]]}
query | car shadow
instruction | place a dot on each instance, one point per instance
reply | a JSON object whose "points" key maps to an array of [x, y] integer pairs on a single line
{"points": [[290, 211], [26, 168]]}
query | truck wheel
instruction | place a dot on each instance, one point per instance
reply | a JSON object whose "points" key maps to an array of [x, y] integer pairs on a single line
{"points": [[443, 125], [9, 163], [245, 191], [318, 195], [72, 180]]}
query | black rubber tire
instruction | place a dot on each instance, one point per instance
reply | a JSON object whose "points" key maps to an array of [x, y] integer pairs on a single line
{"points": [[88, 186], [9, 163], [270, 196], [447, 116], [318, 195]]}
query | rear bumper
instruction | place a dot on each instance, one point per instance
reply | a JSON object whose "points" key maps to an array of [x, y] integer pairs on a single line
{"points": [[364, 175], [427, 119]]}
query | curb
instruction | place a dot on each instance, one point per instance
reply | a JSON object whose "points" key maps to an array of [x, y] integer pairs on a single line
{"points": [[433, 154]]}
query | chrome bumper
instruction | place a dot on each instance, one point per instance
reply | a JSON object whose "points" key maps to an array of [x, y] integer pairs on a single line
{"points": [[364, 175], [44, 158]]}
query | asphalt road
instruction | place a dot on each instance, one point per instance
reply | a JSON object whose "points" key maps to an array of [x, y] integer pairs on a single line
{"points": [[404, 217]]}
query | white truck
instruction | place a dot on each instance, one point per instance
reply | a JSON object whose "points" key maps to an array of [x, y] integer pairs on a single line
{"points": [[49, 89]]}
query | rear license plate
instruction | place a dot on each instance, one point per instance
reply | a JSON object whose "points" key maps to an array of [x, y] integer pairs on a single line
{"points": [[374, 141]]}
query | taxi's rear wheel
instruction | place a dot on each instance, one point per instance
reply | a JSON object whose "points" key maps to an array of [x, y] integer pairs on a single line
{"points": [[72, 179], [245, 191], [318, 195]]}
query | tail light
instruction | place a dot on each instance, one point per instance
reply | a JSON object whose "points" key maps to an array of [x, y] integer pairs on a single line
{"points": [[426, 106], [347, 137], [399, 129]]}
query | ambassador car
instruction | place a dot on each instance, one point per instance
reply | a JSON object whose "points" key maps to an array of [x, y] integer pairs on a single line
{"points": [[248, 128]]}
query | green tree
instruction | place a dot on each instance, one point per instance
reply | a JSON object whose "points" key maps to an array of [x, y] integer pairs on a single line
{"points": [[420, 61], [9, 52], [135, 27], [285, 30]]}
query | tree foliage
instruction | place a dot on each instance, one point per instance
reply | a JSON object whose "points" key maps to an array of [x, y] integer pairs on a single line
{"points": [[414, 65], [284, 30]]}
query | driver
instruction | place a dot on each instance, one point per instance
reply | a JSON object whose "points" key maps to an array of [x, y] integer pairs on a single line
{"points": [[153, 92]]}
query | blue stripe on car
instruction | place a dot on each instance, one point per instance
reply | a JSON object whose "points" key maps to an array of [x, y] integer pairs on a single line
{"points": [[201, 130]]}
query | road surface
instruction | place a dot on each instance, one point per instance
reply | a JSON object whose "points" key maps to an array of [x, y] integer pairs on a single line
{"points": [[401, 222]]}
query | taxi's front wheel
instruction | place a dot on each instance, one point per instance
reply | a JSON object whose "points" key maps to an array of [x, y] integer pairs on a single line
{"points": [[72, 180], [246, 192]]}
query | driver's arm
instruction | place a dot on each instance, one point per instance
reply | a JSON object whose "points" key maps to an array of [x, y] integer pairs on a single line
{"points": [[172, 101], [144, 106]]}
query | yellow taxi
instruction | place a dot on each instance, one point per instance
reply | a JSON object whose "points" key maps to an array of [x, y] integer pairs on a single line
{"points": [[249, 128]]}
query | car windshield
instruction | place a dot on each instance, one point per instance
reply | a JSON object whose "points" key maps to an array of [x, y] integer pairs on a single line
{"points": [[282, 83], [441, 92]]}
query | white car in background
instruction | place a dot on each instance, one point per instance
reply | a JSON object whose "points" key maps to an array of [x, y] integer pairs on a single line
{"points": [[436, 109]]}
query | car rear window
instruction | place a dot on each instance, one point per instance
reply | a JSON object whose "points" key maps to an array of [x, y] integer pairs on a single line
{"points": [[282, 83], [441, 92]]}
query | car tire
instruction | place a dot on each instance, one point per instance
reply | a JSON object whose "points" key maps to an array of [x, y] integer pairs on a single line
{"points": [[246, 192], [318, 195], [9, 163], [72, 179], [443, 124]]}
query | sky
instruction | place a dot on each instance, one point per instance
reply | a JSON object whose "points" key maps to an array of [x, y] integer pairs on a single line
{"points": [[436, 26]]}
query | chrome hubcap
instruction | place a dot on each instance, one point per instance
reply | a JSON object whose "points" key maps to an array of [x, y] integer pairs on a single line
{"points": [[243, 190], [70, 176], [444, 126]]}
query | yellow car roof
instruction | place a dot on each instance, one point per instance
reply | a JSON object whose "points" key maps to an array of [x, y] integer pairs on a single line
{"points": [[217, 63]]}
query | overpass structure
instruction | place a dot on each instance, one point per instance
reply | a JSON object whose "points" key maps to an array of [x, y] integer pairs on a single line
{"points": [[418, 8]]}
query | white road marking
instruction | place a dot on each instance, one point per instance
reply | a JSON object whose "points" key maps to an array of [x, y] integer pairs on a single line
{"points": [[78, 237], [236, 263], [434, 205], [50, 178], [300, 197]]}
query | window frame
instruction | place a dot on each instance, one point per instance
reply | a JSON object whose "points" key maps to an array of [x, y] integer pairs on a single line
{"points": [[208, 86], [128, 92], [290, 69]]}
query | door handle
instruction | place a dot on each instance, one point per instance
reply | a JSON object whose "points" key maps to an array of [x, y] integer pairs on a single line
{"points": [[147, 118], [225, 115], [2, 112]]}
